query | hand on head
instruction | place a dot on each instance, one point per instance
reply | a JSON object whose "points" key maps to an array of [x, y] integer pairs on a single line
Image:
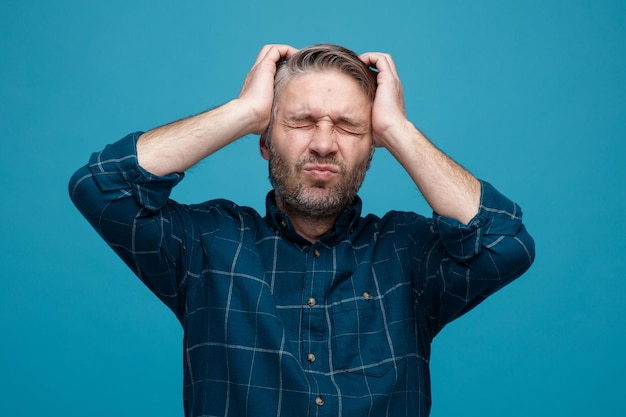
{"points": [[388, 111], [258, 87]]}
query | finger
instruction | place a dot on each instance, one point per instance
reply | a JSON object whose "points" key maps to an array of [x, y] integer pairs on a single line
{"points": [[381, 61], [262, 53], [275, 52]]}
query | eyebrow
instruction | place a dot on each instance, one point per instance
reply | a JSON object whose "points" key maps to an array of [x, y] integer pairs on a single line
{"points": [[299, 117]]}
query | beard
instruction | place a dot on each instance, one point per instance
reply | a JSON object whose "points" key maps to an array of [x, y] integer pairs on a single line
{"points": [[320, 200]]}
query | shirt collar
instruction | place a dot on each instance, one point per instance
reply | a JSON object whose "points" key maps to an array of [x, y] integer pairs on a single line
{"points": [[283, 227]]}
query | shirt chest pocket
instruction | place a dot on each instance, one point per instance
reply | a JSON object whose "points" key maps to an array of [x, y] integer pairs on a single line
{"points": [[367, 336]]}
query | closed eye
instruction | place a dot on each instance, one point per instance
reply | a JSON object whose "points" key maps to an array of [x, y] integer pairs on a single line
{"points": [[300, 125], [302, 122], [343, 125], [350, 129]]}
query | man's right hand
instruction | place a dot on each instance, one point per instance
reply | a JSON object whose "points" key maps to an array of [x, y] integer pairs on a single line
{"points": [[258, 88], [177, 146]]}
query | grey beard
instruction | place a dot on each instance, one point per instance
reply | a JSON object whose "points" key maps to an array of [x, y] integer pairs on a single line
{"points": [[306, 201], [303, 201]]}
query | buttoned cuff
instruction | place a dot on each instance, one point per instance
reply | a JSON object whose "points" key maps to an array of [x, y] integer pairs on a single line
{"points": [[498, 216], [116, 168]]}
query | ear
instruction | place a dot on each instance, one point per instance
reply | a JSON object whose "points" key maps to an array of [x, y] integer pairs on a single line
{"points": [[265, 151]]}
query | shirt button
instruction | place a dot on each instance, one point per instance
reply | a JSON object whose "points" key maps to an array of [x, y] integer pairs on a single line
{"points": [[310, 357], [367, 296], [311, 302], [283, 223], [316, 253], [319, 401]]}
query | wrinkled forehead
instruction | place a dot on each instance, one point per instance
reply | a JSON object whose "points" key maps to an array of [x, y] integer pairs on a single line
{"points": [[316, 95], [285, 74]]}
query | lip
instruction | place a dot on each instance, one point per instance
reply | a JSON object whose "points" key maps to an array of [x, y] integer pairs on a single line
{"points": [[321, 171]]}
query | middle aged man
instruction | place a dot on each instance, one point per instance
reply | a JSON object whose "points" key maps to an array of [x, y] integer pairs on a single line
{"points": [[311, 309]]}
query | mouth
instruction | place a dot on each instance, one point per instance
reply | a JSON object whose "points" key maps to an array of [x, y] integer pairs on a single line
{"points": [[321, 171]]}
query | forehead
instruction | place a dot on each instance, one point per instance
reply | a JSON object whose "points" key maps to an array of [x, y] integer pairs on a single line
{"points": [[322, 94]]}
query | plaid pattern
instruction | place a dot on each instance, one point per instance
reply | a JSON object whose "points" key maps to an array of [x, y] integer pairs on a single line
{"points": [[277, 326]]}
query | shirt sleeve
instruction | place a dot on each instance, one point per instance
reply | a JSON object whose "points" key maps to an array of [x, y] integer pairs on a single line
{"points": [[130, 208], [472, 261]]}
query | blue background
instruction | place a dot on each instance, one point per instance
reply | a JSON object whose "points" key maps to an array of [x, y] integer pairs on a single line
{"points": [[530, 95]]}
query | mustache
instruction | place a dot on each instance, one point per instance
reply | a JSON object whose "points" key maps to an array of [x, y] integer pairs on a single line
{"points": [[321, 160]]}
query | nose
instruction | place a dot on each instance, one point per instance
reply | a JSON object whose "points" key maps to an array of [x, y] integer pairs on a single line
{"points": [[323, 142]]}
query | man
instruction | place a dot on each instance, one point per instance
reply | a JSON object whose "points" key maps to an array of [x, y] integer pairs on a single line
{"points": [[312, 309]]}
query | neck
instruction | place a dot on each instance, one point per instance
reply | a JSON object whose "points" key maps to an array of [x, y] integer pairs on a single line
{"points": [[310, 227]]}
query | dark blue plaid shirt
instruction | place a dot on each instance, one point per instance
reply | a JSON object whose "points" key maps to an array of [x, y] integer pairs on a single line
{"points": [[277, 326]]}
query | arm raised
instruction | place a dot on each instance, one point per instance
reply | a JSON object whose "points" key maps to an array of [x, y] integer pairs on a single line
{"points": [[179, 145], [448, 188]]}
